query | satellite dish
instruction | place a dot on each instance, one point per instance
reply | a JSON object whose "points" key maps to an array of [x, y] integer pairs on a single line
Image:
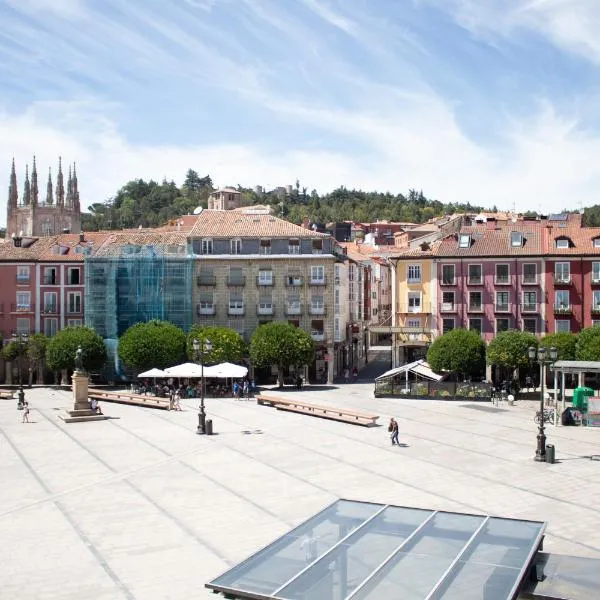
{"points": [[198, 210]]}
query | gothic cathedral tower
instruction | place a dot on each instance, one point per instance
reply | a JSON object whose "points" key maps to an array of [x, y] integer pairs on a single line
{"points": [[34, 217]]}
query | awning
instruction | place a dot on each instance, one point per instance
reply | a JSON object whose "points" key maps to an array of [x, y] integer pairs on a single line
{"points": [[185, 370], [153, 373], [419, 367], [576, 366], [227, 370]]}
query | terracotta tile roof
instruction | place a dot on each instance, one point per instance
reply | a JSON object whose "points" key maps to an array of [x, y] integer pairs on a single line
{"points": [[581, 240], [115, 242], [183, 223], [427, 251], [228, 224]]}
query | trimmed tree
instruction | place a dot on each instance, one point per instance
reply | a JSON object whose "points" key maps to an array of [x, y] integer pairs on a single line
{"points": [[60, 355], [460, 351], [282, 345], [565, 343], [588, 344], [227, 344], [156, 343], [510, 349]]}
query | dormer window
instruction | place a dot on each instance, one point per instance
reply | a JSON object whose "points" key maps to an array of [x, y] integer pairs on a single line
{"points": [[596, 242], [464, 240], [207, 246], [562, 243], [516, 239]]}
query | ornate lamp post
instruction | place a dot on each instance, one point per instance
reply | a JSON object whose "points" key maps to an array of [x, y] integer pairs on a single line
{"points": [[21, 340], [544, 358], [201, 349]]}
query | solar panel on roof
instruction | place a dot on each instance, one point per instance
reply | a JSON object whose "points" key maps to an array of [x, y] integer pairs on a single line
{"points": [[558, 217], [365, 551]]}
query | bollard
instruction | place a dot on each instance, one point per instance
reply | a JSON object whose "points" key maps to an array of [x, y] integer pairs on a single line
{"points": [[209, 427], [550, 453]]}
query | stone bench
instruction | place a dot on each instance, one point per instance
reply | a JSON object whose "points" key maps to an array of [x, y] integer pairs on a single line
{"points": [[315, 410], [7, 395], [126, 398]]}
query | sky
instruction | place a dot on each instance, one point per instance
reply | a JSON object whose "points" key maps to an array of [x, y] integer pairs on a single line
{"points": [[493, 102]]}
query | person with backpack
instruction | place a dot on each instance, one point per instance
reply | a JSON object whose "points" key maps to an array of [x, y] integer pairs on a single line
{"points": [[394, 430]]}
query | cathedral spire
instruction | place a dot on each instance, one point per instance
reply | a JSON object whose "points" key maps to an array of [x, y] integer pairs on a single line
{"points": [[13, 194], [69, 201], [76, 205], [49, 193], [34, 184], [60, 186], [26, 188]]}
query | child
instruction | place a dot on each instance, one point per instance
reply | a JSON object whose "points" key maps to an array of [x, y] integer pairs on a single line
{"points": [[25, 413]]}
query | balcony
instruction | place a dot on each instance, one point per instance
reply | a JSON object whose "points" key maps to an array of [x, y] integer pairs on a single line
{"points": [[448, 281], [475, 280], [206, 280], [22, 308], [317, 309], [293, 309], [502, 308], [50, 309], [529, 280], [318, 335], [562, 279], [595, 279], [502, 280], [530, 308], [265, 309], [236, 309], [318, 281], [447, 307], [237, 281], [595, 309], [49, 280], [294, 281], [23, 279], [475, 308], [206, 308], [264, 281], [562, 309]]}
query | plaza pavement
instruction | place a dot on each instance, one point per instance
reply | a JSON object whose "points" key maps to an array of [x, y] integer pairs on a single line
{"points": [[140, 507]]}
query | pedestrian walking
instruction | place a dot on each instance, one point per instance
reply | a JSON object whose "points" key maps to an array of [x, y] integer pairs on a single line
{"points": [[394, 430], [25, 413], [355, 374], [236, 390], [246, 389], [347, 375]]}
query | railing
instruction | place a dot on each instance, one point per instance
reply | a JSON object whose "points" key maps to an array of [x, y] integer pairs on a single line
{"points": [[530, 307], [529, 280], [265, 309], [318, 281], [502, 279], [475, 280], [475, 308], [206, 280], [23, 279], [502, 307], [293, 249], [595, 310], [448, 281], [74, 310], [595, 279], [318, 309], [563, 309], [235, 310], [261, 281], [236, 281], [49, 280], [318, 336], [294, 281], [562, 279], [293, 309], [447, 307], [22, 308], [206, 309], [50, 309], [441, 390]]}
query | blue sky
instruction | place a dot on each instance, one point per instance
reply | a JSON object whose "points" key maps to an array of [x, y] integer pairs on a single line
{"points": [[487, 101]]}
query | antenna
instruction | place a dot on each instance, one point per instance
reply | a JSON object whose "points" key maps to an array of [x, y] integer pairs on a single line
{"points": [[198, 210]]}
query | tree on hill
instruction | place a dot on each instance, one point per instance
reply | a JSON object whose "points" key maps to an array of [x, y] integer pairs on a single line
{"points": [[460, 351], [588, 344], [155, 344], [227, 344], [282, 345]]}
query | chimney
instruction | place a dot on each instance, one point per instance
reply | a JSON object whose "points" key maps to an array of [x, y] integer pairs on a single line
{"points": [[490, 224], [306, 223], [81, 237]]}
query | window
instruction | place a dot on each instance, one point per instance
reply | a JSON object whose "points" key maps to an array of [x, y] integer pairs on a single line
{"points": [[561, 300], [206, 303], [317, 304], [562, 243], [265, 247], [50, 327], [294, 246], [236, 276], [206, 276], [595, 323], [317, 246], [448, 301], [502, 301], [597, 242], [47, 227], [50, 305], [50, 276], [530, 325], [464, 240], [562, 325], [447, 325], [23, 326], [22, 274], [338, 272], [596, 271], [448, 275], [74, 276], [502, 274], [529, 301], [207, 246], [74, 322], [236, 246], [23, 300], [317, 274], [474, 300], [414, 302], [475, 324], [236, 304], [475, 274], [413, 323], [74, 302], [502, 325], [516, 239], [562, 272], [265, 277], [414, 273], [596, 300], [529, 273]]}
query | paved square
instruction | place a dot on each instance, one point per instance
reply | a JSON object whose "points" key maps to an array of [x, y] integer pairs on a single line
{"points": [[140, 507]]}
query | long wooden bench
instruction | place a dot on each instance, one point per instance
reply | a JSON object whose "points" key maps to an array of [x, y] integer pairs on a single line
{"points": [[7, 395], [126, 398], [325, 412]]}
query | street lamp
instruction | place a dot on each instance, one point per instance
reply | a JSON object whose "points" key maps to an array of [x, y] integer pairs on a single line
{"points": [[201, 349], [544, 358], [21, 340]]}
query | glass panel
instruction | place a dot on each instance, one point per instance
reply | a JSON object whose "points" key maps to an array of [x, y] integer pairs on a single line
{"points": [[273, 566], [417, 567], [339, 573]]}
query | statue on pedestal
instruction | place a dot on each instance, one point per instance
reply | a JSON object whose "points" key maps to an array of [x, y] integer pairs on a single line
{"points": [[79, 361]]}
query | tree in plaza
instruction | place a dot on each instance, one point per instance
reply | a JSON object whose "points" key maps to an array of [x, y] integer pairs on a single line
{"points": [[510, 349], [60, 354], [227, 344], [282, 345], [565, 343], [588, 344], [460, 351], [154, 344], [36, 353], [10, 352]]}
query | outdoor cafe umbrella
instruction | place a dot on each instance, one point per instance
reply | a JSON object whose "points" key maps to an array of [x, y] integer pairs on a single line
{"points": [[184, 370], [228, 370], [154, 373]]}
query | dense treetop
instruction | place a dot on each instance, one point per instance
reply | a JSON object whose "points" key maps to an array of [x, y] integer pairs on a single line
{"points": [[149, 204]]}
